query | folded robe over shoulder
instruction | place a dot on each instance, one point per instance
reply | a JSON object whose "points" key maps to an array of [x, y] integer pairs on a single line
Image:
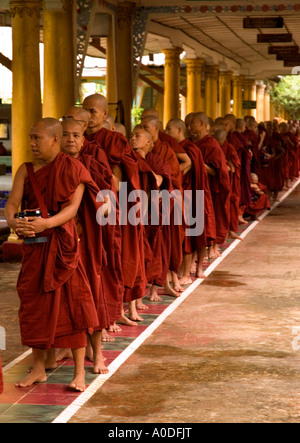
{"points": [[219, 185], [56, 299], [157, 238], [94, 159], [120, 153], [167, 154]]}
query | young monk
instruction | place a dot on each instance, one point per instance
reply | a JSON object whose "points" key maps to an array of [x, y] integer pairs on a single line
{"points": [[123, 163], [215, 163], [166, 153], [91, 242], [57, 307], [183, 158], [260, 200], [155, 175], [195, 179], [112, 275]]}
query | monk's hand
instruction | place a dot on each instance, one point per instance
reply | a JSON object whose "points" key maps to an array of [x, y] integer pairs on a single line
{"points": [[23, 228], [39, 224]]}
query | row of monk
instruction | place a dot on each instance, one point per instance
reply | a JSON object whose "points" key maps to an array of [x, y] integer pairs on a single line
{"points": [[77, 275]]}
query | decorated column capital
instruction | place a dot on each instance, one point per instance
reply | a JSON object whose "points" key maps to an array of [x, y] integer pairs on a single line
{"points": [[194, 65], [23, 8], [172, 56]]}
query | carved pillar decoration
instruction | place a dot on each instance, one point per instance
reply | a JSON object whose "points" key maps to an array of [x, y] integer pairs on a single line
{"points": [[237, 95], [171, 83], [195, 100], [211, 91], [260, 102], [26, 101], [111, 80], [225, 92], [140, 30], [59, 60], [124, 53]]}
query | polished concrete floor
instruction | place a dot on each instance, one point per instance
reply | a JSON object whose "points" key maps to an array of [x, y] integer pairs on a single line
{"points": [[229, 353]]}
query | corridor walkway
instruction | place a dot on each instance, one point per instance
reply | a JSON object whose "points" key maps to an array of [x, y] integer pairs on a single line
{"points": [[227, 353]]}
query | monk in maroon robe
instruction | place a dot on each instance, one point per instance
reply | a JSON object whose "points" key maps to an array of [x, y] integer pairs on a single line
{"points": [[196, 179], [95, 160], [166, 153], [123, 163], [234, 169], [155, 175], [260, 200], [57, 307], [90, 232], [216, 167]]}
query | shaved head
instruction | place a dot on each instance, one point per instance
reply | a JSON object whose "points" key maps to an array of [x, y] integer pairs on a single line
{"points": [[150, 111], [51, 125]]}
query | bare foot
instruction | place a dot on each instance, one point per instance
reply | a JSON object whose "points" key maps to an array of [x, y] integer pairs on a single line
{"points": [[33, 377], [232, 234], [123, 320], [185, 280], [171, 292], [99, 365], [105, 337], [78, 382], [63, 353], [141, 306], [134, 316], [154, 294], [242, 221], [200, 273], [114, 328]]}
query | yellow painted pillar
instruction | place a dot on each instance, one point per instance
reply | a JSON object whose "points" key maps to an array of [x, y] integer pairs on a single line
{"points": [[211, 91], [195, 101], [26, 99], [267, 106], [250, 94], [260, 102], [111, 83], [124, 57], [59, 61], [237, 95], [171, 83], [225, 92]]}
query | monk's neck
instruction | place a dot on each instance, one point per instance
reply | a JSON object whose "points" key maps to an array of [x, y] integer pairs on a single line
{"points": [[91, 131]]}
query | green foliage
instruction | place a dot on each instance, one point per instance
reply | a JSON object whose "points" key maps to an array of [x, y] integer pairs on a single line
{"points": [[136, 116], [286, 95]]}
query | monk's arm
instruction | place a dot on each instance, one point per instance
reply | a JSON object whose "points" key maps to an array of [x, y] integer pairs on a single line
{"points": [[117, 177], [210, 170], [65, 215], [185, 162], [14, 202], [159, 179]]}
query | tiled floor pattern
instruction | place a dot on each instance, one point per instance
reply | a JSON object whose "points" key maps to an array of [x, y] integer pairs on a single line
{"points": [[42, 403]]}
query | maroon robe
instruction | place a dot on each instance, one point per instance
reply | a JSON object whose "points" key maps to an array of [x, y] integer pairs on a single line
{"points": [[259, 202], [240, 143], [235, 182], [177, 148], [120, 153], [158, 237], [57, 307], [219, 185], [166, 153], [253, 140], [95, 160], [197, 179]]}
